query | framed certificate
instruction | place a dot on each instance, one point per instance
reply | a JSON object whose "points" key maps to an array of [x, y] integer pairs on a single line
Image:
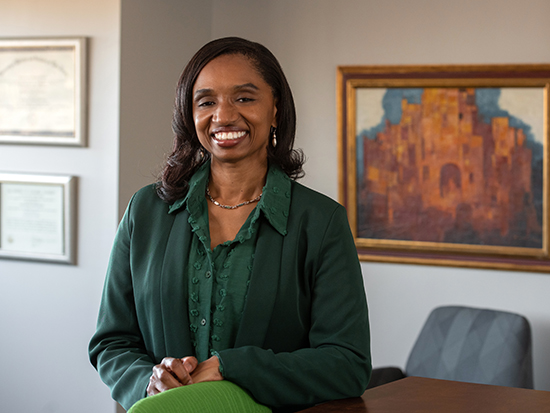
{"points": [[43, 91], [37, 217]]}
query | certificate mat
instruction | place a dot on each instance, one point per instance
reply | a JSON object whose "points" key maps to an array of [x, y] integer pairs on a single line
{"points": [[42, 93], [32, 218], [36, 217]]}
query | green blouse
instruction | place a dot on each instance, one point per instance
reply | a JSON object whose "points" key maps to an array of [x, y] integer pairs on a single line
{"points": [[219, 278]]}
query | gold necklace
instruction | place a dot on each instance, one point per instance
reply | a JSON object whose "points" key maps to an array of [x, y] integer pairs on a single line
{"points": [[231, 206]]}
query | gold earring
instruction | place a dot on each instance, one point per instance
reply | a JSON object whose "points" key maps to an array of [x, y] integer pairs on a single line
{"points": [[274, 136]]}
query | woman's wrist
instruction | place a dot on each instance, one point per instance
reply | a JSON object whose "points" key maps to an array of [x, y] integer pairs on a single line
{"points": [[208, 370]]}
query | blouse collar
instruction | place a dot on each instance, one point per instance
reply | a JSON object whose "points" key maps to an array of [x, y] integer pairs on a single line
{"points": [[274, 204]]}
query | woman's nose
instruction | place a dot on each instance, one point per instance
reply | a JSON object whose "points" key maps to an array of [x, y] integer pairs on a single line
{"points": [[225, 113]]}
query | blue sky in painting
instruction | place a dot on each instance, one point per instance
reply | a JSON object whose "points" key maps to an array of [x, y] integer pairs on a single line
{"points": [[487, 100]]}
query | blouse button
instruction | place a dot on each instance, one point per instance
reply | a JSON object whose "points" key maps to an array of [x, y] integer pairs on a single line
{"points": [[208, 274], [203, 322]]}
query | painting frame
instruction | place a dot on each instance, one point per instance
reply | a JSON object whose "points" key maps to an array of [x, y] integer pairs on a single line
{"points": [[38, 216], [429, 80], [43, 91]]}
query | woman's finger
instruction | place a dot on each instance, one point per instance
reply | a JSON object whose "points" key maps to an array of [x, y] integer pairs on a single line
{"points": [[171, 373], [180, 368], [164, 378], [151, 387], [190, 364]]}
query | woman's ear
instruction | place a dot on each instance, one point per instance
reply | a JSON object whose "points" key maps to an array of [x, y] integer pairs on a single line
{"points": [[274, 122]]}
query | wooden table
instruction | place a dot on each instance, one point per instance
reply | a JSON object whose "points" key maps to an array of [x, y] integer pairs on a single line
{"points": [[417, 394]]}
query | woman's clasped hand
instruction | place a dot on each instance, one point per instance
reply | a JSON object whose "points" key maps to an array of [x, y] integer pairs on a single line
{"points": [[176, 372]]}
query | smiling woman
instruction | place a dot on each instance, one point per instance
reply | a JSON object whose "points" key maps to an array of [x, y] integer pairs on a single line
{"points": [[226, 269], [234, 110]]}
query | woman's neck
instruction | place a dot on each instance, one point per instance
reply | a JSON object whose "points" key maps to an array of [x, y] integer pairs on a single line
{"points": [[231, 184]]}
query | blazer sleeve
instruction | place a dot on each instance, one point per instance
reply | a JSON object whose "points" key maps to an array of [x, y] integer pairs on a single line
{"points": [[337, 363], [117, 349]]}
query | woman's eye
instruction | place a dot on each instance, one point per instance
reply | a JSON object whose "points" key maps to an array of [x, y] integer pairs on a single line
{"points": [[245, 100], [205, 103]]}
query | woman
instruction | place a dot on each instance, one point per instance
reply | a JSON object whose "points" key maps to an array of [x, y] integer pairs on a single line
{"points": [[228, 269]]}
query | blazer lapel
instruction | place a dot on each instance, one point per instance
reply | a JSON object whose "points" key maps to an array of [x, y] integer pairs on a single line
{"points": [[174, 289], [262, 291]]}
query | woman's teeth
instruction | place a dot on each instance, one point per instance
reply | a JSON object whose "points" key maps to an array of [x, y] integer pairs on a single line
{"points": [[226, 136]]}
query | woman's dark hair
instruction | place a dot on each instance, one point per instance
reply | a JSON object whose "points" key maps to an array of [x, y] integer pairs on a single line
{"points": [[187, 153]]}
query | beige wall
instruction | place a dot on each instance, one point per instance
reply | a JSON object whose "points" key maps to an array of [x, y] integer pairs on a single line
{"points": [[48, 311], [157, 40], [137, 49]]}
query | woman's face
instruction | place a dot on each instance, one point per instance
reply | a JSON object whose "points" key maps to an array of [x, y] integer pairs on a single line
{"points": [[233, 110]]}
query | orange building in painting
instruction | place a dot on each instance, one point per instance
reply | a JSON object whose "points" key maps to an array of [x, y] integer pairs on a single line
{"points": [[443, 175]]}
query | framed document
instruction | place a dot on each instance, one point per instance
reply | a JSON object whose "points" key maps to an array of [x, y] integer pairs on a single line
{"points": [[43, 91], [37, 217]]}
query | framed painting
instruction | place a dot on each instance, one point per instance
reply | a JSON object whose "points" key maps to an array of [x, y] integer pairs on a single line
{"points": [[43, 91], [446, 165]]}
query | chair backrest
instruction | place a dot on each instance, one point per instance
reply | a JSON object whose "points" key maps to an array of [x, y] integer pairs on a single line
{"points": [[207, 397], [474, 345]]}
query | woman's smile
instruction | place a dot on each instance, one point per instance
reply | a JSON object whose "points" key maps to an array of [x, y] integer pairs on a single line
{"points": [[228, 139], [225, 136]]}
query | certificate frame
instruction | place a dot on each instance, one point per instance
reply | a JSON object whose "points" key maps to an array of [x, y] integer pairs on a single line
{"points": [[43, 91], [49, 232], [439, 172]]}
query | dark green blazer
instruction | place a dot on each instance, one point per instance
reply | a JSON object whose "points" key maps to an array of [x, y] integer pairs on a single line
{"points": [[304, 334]]}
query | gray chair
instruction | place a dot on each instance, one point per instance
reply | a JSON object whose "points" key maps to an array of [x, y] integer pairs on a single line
{"points": [[471, 345]]}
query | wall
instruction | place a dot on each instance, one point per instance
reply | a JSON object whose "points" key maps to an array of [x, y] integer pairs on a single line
{"points": [[157, 40], [48, 311], [311, 38]]}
